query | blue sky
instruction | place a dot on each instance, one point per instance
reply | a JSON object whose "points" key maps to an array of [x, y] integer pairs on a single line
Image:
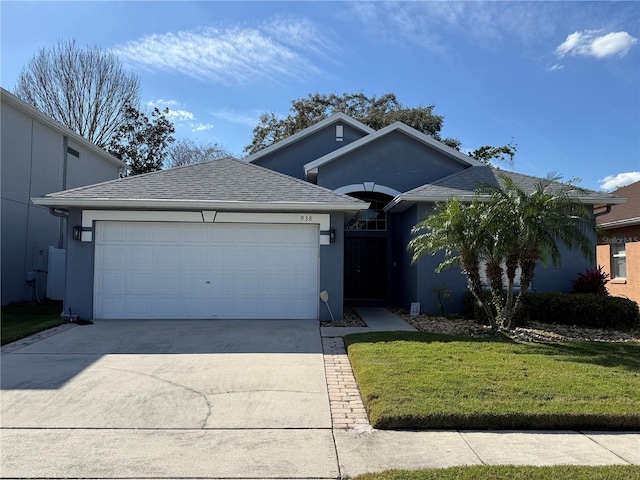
{"points": [[560, 79]]}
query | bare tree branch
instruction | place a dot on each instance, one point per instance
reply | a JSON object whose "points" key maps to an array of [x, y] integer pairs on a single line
{"points": [[84, 89]]}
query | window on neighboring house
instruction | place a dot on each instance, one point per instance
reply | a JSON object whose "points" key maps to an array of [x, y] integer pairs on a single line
{"points": [[339, 133], [618, 260]]}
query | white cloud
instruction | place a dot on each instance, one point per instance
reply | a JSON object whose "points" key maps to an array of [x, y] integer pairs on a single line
{"points": [[175, 114], [617, 43], [161, 103], [436, 26], [201, 127], [231, 55], [555, 67], [180, 115], [611, 182], [587, 43]]}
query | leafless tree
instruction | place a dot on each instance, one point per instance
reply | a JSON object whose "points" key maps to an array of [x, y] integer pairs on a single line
{"points": [[84, 89], [186, 151]]}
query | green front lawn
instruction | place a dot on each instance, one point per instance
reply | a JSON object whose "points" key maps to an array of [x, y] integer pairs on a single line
{"points": [[421, 380], [613, 472], [22, 320]]}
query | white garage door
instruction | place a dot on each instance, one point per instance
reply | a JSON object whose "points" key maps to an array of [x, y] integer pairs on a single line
{"points": [[199, 270]]}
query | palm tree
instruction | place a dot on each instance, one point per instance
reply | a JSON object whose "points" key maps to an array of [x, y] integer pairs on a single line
{"points": [[530, 226], [506, 228], [453, 227]]}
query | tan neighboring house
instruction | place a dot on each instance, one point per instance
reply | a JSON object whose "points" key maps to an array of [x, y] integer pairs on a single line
{"points": [[618, 249], [39, 156]]}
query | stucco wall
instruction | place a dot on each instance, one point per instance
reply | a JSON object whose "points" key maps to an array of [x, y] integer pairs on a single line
{"points": [[332, 271], [291, 159], [404, 275], [395, 160], [630, 286], [79, 271], [451, 280], [33, 164]]}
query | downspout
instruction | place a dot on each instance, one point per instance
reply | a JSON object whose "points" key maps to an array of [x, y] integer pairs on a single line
{"points": [[596, 215], [599, 214], [59, 212], [64, 216], [62, 224]]}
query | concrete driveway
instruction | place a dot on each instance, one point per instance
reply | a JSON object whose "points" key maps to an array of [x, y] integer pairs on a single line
{"points": [[169, 399]]}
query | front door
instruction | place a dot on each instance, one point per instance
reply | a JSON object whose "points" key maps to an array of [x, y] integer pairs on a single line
{"points": [[365, 272]]}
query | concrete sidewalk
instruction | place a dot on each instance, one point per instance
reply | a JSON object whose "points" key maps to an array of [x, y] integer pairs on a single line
{"points": [[377, 320]]}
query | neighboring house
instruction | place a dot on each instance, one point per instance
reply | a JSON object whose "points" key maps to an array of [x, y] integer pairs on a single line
{"points": [[39, 156], [618, 248], [329, 208]]}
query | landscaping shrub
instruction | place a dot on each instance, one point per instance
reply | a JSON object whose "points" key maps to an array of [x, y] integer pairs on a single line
{"points": [[594, 280], [587, 310], [581, 309]]}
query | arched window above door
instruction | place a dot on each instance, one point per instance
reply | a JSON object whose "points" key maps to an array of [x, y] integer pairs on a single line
{"points": [[372, 219]]}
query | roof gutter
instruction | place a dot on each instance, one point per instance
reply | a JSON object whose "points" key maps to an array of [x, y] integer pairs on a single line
{"points": [[598, 201], [57, 203], [620, 223]]}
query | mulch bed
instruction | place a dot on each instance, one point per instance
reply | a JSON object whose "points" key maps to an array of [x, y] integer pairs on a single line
{"points": [[350, 319], [533, 332]]}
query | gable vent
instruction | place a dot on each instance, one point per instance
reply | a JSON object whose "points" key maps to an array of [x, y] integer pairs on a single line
{"points": [[339, 133]]}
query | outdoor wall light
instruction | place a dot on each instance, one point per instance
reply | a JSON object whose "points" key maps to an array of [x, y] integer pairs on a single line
{"points": [[77, 233], [332, 235]]}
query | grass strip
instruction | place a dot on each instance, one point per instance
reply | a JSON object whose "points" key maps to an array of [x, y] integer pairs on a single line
{"points": [[22, 320], [423, 381], [502, 472]]}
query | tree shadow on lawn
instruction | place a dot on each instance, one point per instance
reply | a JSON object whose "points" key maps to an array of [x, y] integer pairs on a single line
{"points": [[604, 354]]}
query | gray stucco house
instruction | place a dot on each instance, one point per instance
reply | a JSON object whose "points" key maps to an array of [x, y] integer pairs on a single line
{"points": [[329, 208], [40, 156]]}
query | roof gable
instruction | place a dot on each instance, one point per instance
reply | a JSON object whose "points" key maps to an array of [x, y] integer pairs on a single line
{"points": [[56, 126], [336, 118], [222, 184], [463, 186], [312, 167]]}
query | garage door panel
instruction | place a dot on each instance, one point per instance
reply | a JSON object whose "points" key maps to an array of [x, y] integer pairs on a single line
{"points": [[112, 258], [305, 236], [113, 283], [168, 233], [300, 284], [140, 233], [140, 284], [139, 306], [112, 307], [116, 233], [162, 270], [165, 284], [273, 236], [138, 257]]}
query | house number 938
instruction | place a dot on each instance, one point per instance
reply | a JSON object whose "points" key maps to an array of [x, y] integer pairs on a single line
{"points": [[306, 218]]}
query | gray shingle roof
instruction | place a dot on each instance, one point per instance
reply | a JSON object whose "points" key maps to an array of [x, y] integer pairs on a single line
{"points": [[464, 185], [225, 180]]}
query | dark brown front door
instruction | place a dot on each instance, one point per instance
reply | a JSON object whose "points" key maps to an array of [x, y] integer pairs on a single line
{"points": [[365, 268]]}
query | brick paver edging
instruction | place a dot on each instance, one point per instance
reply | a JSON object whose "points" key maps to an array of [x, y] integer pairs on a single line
{"points": [[347, 409]]}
